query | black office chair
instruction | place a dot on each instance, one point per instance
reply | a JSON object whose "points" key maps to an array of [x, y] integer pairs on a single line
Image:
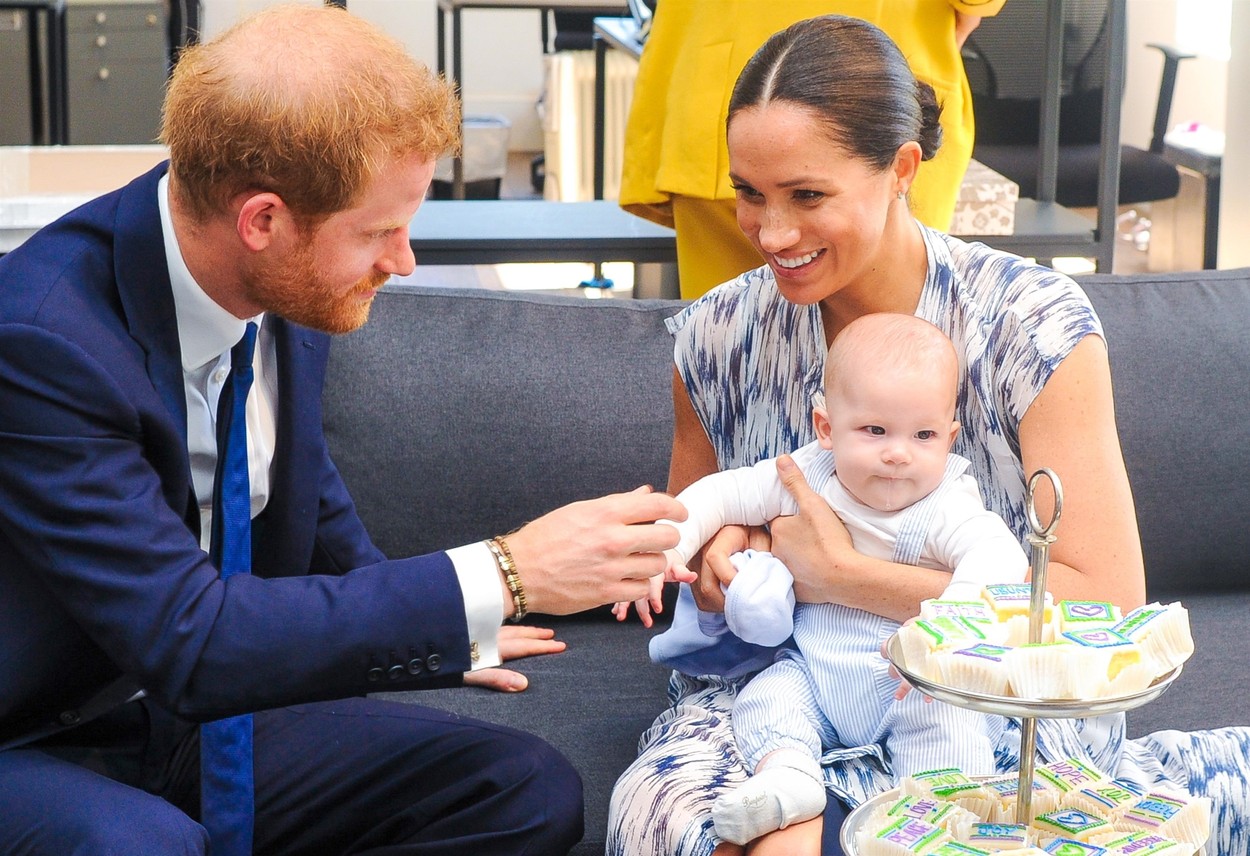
{"points": [[1005, 73]]}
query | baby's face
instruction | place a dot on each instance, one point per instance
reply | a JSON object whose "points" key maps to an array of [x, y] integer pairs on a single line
{"points": [[890, 433]]}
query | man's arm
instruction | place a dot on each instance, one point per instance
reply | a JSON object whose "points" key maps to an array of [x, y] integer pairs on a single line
{"points": [[87, 492]]}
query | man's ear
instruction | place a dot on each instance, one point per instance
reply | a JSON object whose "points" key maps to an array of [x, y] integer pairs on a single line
{"points": [[262, 219], [824, 428]]}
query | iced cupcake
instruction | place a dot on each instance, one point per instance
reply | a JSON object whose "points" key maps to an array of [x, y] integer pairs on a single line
{"points": [[1162, 632], [1049, 671], [1181, 817], [930, 809], [920, 639], [1085, 614], [1071, 823], [1147, 844], [1006, 790], [995, 837], [1109, 798], [1009, 603], [952, 785], [978, 668], [1068, 847], [904, 836]]}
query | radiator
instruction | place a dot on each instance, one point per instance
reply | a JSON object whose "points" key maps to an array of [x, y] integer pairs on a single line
{"points": [[569, 123]]}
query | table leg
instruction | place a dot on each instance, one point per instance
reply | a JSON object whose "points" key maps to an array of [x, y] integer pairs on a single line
{"points": [[442, 40], [1211, 224], [58, 77], [601, 85], [457, 163], [41, 132]]}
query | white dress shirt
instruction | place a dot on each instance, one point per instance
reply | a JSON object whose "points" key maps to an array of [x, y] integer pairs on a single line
{"points": [[206, 333]]}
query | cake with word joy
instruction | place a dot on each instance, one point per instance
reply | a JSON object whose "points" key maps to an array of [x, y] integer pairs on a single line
{"points": [[1088, 650], [1077, 811]]}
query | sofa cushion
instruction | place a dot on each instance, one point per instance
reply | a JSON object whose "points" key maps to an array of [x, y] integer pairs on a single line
{"points": [[474, 411], [1180, 354]]}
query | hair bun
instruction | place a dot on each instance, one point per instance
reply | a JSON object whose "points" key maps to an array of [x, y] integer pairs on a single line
{"points": [[930, 114]]}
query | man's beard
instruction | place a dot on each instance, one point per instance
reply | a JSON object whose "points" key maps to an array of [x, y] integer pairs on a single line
{"points": [[295, 290]]}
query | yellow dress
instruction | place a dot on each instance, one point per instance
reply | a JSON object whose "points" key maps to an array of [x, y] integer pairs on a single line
{"points": [[676, 163]]}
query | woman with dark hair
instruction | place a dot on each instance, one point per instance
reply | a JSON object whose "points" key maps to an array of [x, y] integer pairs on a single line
{"points": [[673, 171], [826, 129]]}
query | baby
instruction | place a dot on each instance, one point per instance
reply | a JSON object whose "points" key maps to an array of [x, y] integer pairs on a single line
{"points": [[882, 460]]}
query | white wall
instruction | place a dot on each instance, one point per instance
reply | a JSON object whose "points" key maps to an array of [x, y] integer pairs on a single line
{"points": [[1234, 201], [1201, 83], [503, 64], [1204, 93]]}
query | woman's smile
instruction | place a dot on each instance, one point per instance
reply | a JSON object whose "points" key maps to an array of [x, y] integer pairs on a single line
{"points": [[795, 262]]}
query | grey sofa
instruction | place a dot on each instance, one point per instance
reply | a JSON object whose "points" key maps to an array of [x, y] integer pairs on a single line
{"points": [[455, 415]]}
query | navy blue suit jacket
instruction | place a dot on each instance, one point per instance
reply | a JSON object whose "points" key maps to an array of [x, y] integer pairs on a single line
{"points": [[101, 573]]}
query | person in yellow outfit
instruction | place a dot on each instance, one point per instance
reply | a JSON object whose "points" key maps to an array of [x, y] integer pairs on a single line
{"points": [[675, 169]]}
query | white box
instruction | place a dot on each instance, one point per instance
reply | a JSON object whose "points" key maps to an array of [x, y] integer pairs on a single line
{"points": [[485, 152]]}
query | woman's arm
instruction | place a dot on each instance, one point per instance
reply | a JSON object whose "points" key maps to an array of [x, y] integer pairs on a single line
{"points": [[1070, 428], [814, 543], [816, 547], [693, 457], [964, 25], [968, 15]]}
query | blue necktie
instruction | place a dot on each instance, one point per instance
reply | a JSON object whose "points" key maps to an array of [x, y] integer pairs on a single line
{"points": [[226, 790]]}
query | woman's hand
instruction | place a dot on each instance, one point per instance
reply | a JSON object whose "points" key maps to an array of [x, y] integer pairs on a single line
{"points": [[964, 25], [515, 641], [813, 543], [716, 571]]}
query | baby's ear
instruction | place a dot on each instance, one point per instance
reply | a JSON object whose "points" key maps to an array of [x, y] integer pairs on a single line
{"points": [[955, 426], [824, 429]]}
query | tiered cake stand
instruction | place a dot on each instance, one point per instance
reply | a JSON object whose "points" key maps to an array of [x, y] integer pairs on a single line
{"points": [[1028, 711]]}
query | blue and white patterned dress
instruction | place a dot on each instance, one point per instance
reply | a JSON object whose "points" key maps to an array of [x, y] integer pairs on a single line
{"points": [[751, 362]]}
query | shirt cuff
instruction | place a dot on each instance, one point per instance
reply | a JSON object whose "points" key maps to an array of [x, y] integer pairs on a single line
{"points": [[483, 602]]}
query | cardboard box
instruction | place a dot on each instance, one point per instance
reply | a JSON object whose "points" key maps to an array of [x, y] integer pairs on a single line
{"points": [[26, 170], [987, 203], [39, 184]]}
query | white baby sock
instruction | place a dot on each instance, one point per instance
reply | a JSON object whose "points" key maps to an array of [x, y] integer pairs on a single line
{"points": [[789, 788]]}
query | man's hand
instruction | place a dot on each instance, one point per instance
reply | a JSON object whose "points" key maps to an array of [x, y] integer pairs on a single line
{"points": [[595, 552], [810, 541], [515, 641]]}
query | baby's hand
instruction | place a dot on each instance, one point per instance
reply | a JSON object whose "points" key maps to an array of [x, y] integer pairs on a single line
{"points": [[653, 602], [903, 687], [676, 571]]}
